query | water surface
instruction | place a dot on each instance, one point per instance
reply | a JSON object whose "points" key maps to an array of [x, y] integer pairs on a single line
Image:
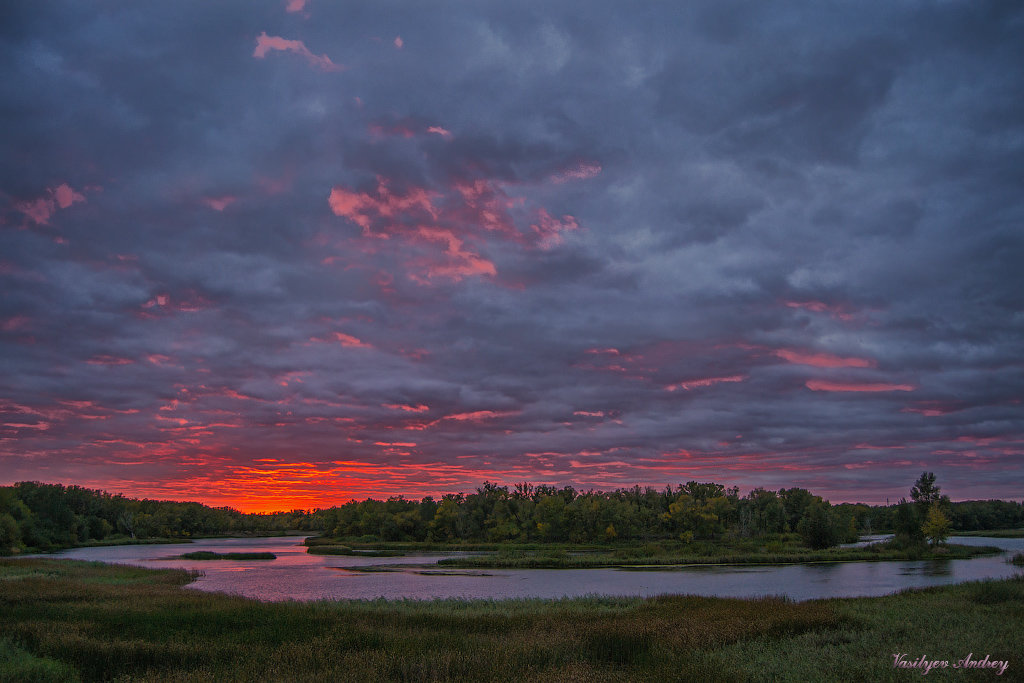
{"points": [[297, 575]]}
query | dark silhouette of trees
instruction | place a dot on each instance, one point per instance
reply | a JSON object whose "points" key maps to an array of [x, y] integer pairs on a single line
{"points": [[45, 516]]}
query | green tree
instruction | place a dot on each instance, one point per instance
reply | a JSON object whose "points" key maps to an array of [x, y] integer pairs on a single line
{"points": [[819, 527], [10, 534], [925, 493], [936, 525], [907, 524]]}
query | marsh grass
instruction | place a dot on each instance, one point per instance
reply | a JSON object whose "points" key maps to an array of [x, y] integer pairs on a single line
{"points": [[65, 620], [210, 555], [666, 558], [992, 533]]}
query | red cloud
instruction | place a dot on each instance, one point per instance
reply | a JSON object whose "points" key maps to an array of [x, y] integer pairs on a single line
{"points": [[265, 44], [826, 385], [823, 360]]}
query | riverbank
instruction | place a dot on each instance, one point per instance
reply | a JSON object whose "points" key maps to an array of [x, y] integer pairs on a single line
{"points": [[68, 620]]}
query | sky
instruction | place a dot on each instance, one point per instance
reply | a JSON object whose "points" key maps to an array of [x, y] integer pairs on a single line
{"points": [[289, 253]]}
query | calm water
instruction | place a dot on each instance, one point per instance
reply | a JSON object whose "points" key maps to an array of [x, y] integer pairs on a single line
{"points": [[296, 575]]}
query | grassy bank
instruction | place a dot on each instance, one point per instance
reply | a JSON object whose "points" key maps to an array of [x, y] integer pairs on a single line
{"points": [[68, 620], [993, 533]]}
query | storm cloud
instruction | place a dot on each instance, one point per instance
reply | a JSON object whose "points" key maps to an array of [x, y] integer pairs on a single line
{"points": [[276, 254]]}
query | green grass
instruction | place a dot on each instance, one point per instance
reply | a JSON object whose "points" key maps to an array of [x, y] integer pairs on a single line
{"points": [[65, 620], [993, 533], [209, 555]]}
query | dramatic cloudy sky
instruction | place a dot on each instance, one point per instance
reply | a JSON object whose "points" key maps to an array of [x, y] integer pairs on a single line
{"points": [[285, 253]]}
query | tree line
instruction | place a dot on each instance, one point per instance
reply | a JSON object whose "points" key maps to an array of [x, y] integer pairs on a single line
{"points": [[46, 516]]}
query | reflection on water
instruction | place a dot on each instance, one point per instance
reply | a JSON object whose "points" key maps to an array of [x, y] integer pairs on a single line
{"points": [[297, 575]]}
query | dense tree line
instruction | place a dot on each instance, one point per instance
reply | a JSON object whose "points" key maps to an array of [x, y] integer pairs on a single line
{"points": [[46, 516], [527, 513]]}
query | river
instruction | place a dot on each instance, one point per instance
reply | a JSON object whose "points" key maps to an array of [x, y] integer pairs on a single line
{"points": [[297, 575]]}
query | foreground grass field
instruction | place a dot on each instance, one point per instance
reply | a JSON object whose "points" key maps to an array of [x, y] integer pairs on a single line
{"points": [[64, 620]]}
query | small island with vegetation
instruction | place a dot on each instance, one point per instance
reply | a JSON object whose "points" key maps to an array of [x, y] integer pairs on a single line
{"points": [[534, 527], [210, 555]]}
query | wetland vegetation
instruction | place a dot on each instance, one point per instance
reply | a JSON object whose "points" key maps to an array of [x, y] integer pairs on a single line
{"points": [[66, 621]]}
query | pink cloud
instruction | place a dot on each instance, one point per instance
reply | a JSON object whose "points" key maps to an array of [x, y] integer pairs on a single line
{"points": [[350, 341], [826, 385], [219, 203], [265, 44], [109, 360], [823, 360], [295, 5], [705, 382], [38, 210], [835, 310], [550, 229], [460, 262], [933, 408], [458, 219], [42, 208], [478, 415], [66, 196], [582, 171], [438, 130], [14, 323], [399, 42], [418, 408], [365, 209]]}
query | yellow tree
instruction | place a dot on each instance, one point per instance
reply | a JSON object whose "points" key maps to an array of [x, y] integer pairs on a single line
{"points": [[936, 525]]}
